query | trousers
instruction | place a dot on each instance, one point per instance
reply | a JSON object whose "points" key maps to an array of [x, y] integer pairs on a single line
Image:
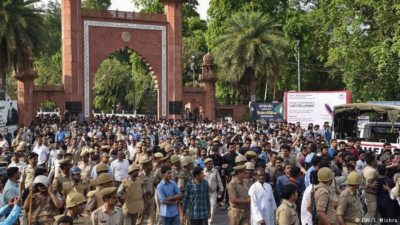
{"points": [[130, 219], [148, 211], [238, 217], [170, 220], [371, 202], [213, 204]]}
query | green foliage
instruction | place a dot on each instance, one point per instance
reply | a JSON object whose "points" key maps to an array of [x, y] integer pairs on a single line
{"points": [[250, 47], [149, 6], [142, 80], [21, 32], [112, 84], [49, 69], [96, 4]]}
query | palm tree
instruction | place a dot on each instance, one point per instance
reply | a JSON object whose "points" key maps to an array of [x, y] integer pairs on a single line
{"points": [[20, 35], [250, 47]]}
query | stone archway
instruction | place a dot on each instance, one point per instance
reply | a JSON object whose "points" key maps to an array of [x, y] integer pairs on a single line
{"points": [[88, 37]]}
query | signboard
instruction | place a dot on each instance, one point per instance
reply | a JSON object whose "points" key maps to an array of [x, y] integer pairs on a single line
{"points": [[313, 107], [8, 113], [266, 111]]}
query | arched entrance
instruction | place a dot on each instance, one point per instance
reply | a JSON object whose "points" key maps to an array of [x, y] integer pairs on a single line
{"points": [[89, 36]]}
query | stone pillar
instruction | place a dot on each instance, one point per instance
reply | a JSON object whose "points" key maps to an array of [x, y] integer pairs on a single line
{"points": [[25, 86], [173, 10], [71, 28], [207, 78]]}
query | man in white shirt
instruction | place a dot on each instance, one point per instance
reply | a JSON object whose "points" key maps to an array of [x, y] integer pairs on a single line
{"points": [[361, 164], [42, 152], [15, 162], [3, 143], [119, 167], [211, 175], [305, 214], [262, 201]]}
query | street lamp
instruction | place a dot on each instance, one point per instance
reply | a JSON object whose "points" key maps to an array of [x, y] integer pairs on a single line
{"points": [[192, 58], [297, 49]]}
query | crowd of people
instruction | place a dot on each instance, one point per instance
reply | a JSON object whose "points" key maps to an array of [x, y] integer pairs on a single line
{"points": [[131, 171]]}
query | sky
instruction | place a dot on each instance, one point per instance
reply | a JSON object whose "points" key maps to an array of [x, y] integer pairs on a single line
{"points": [[121, 5]]}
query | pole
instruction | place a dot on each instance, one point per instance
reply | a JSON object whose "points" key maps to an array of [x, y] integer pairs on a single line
{"points": [[266, 89], [298, 64]]}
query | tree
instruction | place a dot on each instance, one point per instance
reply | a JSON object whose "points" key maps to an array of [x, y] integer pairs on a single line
{"points": [[21, 29], [111, 84], [48, 63], [251, 47], [96, 4]]}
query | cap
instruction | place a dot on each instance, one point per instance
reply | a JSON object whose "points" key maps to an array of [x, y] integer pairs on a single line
{"points": [[240, 158], [208, 160], [75, 170], [101, 167], [105, 147], [108, 191], [325, 174], [104, 178], [64, 161], [186, 161], [41, 180], [216, 139], [133, 167], [238, 168], [250, 166], [146, 160], [74, 198], [158, 155], [175, 159], [22, 146], [251, 154], [85, 153]]}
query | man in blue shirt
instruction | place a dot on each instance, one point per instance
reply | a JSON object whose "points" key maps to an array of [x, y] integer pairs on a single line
{"points": [[314, 167], [11, 189], [12, 209], [168, 194]]}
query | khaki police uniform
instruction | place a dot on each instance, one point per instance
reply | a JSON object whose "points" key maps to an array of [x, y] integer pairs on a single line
{"points": [[286, 214], [95, 200], [184, 176], [43, 209], [79, 220], [149, 208], [326, 201], [86, 169], [239, 214], [71, 185], [58, 182], [134, 202], [101, 217], [28, 175], [350, 207], [370, 174]]}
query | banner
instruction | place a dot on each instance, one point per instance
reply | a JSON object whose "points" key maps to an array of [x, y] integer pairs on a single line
{"points": [[313, 107], [266, 111], [8, 113]]}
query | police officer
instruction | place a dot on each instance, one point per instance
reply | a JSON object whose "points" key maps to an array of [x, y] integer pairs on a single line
{"points": [[75, 184], [240, 160], [65, 166], [100, 169], [131, 191], [185, 176], [325, 197], [108, 214], [349, 211], [146, 175], [95, 199], [75, 206], [239, 200], [286, 213], [176, 167], [250, 167]]}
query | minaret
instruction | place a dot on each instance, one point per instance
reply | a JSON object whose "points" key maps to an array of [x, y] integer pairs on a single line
{"points": [[208, 79]]}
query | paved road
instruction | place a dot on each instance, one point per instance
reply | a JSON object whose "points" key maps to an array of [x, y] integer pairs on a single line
{"points": [[221, 217]]}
